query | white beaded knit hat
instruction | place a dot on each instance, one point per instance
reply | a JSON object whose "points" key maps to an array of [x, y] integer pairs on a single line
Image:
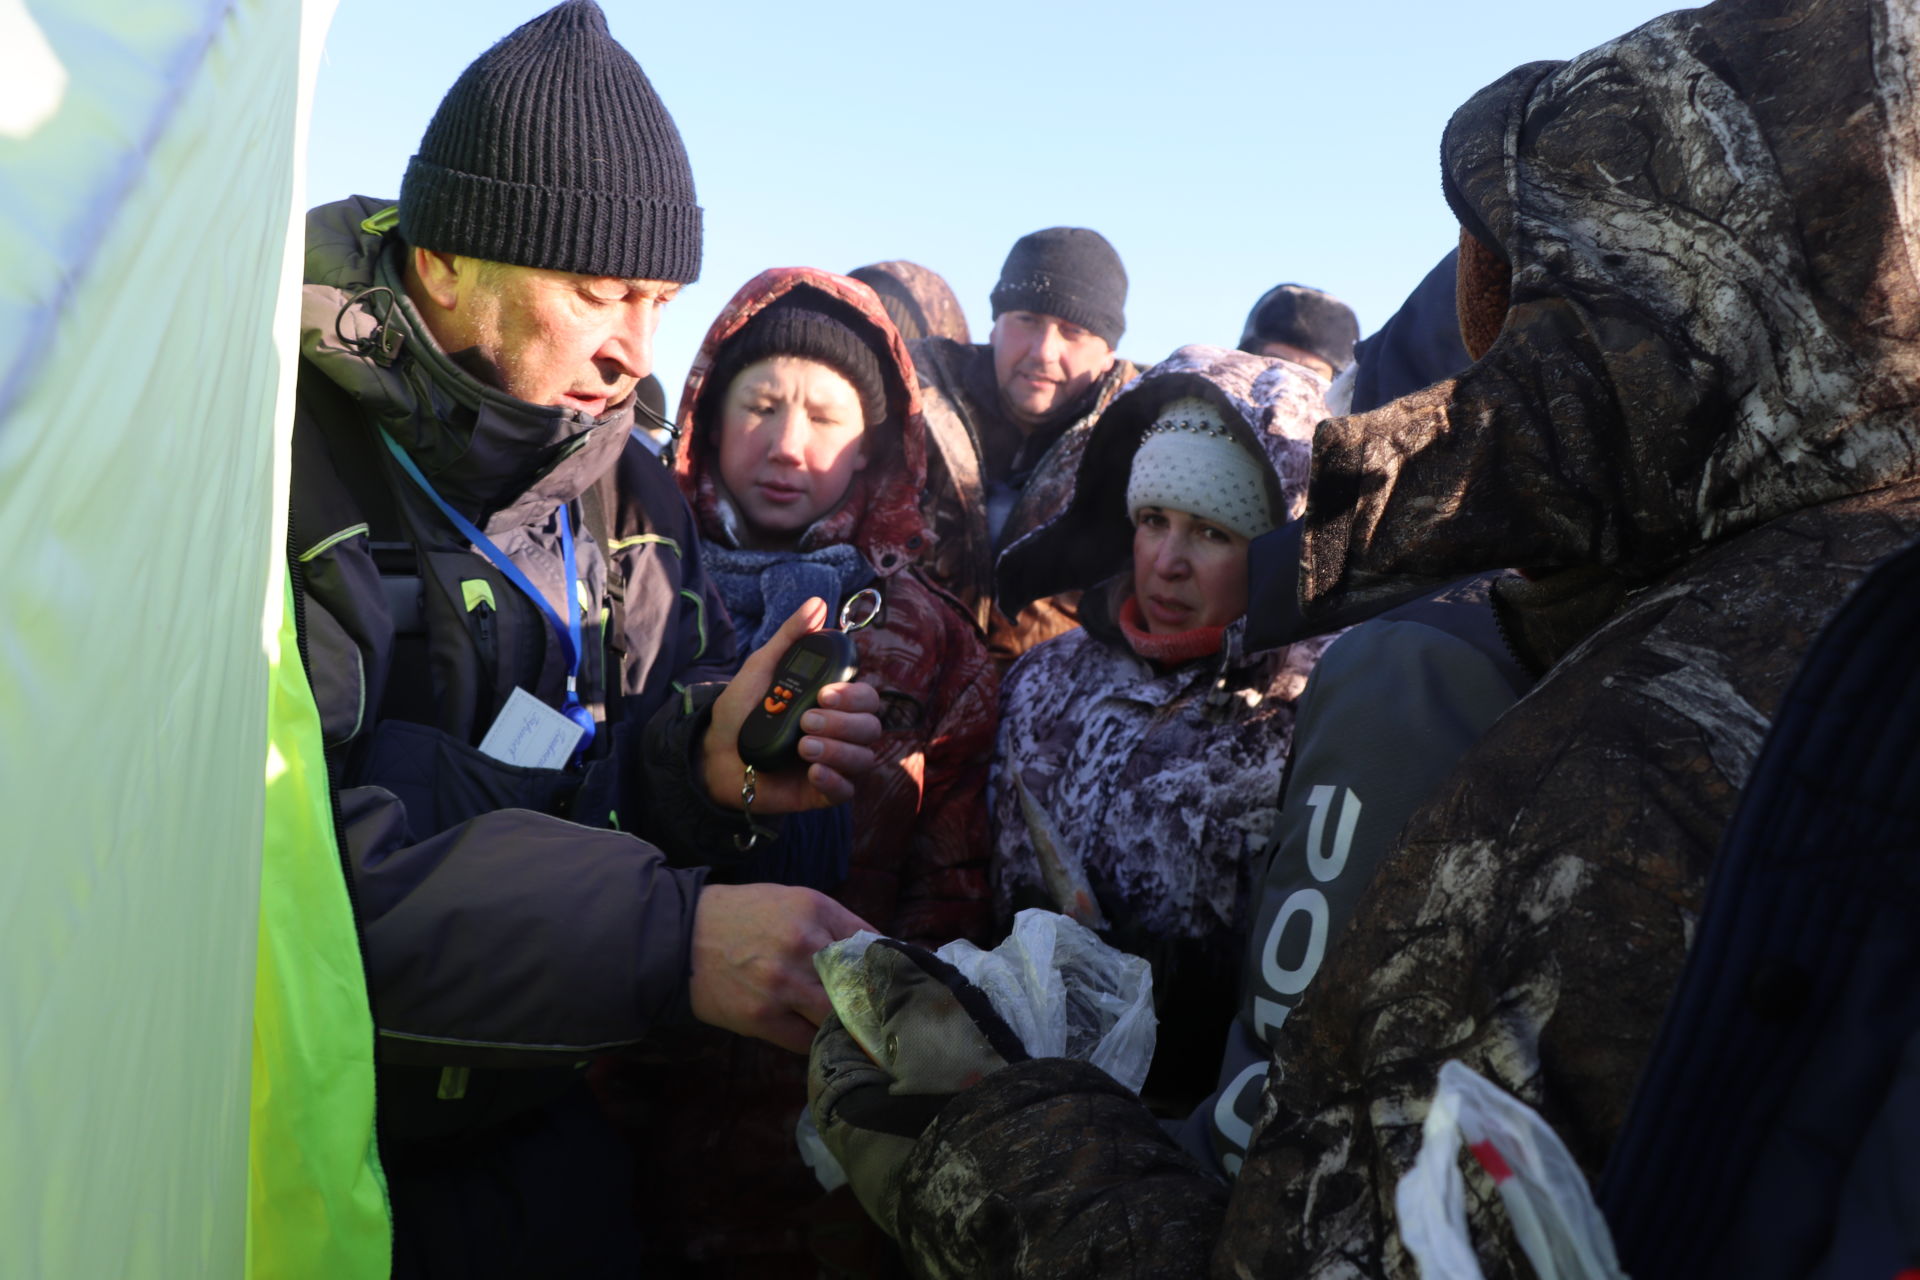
{"points": [[1188, 462]]}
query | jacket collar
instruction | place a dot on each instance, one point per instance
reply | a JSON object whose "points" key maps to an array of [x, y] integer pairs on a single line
{"points": [[1222, 674], [494, 457]]}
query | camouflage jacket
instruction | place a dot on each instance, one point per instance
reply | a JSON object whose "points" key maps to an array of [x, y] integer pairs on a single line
{"points": [[1696, 422], [963, 416]]}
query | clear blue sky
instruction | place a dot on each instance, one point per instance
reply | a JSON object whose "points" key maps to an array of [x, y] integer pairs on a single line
{"points": [[1222, 147]]}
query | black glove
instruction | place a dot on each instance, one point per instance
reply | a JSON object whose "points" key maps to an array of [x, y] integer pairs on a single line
{"points": [[908, 1033]]}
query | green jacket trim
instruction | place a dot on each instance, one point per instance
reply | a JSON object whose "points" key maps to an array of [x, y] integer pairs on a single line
{"points": [[333, 540]]}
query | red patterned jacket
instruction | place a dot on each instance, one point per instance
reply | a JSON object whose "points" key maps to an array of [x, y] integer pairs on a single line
{"points": [[720, 1183], [920, 851]]}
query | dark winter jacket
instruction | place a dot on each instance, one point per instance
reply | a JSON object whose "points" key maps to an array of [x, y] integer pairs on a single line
{"points": [[722, 1175], [978, 455], [507, 920], [1392, 706], [1699, 426], [1771, 1132], [1417, 346], [1165, 783]]}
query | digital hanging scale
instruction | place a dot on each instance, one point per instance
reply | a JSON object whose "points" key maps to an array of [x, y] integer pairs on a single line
{"points": [[770, 737]]}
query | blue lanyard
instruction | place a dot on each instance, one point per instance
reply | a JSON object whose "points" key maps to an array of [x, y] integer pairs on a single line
{"points": [[568, 631]]}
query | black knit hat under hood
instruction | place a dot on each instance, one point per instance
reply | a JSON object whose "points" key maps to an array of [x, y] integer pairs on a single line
{"points": [[809, 325], [552, 150], [1069, 272]]}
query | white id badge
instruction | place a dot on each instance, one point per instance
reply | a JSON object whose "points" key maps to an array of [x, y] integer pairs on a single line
{"points": [[530, 733]]}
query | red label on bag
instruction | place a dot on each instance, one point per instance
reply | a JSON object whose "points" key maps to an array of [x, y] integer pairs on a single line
{"points": [[1491, 1160]]}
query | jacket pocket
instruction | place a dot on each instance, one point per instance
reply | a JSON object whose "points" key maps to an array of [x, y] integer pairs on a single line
{"points": [[443, 782], [338, 672]]}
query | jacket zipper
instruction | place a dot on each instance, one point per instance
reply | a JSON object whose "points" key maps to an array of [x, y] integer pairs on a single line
{"points": [[483, 627], [1506, 638]]}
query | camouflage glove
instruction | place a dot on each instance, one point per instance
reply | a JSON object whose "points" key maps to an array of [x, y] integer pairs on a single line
{"points": [[908, 1033]]}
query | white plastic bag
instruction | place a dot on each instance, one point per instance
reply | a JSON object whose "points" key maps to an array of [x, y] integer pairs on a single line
{"points": [[1547, 1198], [814, 1154], [1067, 994]]}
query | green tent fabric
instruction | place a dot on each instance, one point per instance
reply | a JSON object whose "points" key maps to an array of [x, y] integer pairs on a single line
{"points": [[186, 1083], [318, 1203]]}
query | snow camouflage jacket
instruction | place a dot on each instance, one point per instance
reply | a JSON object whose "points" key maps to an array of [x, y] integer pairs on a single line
{"points": [[1703, 408], [964, 422], [1166, 783]]}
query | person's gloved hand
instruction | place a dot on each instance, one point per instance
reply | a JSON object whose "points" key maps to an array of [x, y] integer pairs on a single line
{"points": [[908, 1032]]}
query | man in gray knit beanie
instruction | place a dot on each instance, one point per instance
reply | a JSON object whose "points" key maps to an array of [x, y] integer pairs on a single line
{"points": [[997, 411], [521, 671]]}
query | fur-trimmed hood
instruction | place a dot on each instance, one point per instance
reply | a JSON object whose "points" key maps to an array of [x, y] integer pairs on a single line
{"points": [[1713, 312], [880, 514]]}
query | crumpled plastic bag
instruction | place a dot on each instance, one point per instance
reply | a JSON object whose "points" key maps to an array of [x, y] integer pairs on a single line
{"points": [[1064, 992], [1067, 994], [1547, 1198]]}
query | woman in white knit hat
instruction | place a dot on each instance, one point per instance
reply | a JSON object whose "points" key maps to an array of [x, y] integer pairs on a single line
{"points": [[1137, 768]]}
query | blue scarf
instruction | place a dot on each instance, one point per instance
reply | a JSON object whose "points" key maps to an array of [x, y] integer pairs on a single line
{"points": [[763, 588]]}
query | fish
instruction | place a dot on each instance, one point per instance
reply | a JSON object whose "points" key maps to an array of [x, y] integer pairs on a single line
{"points": [[1060, 867], [908, 1017], [844, 973]]}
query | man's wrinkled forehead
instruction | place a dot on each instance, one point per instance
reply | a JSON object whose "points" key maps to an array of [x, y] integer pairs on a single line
{"points": [[1040, 319], [602, 288]]}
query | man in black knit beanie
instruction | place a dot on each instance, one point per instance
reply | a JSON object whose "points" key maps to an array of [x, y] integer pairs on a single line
{"points": [[1014, 410], [525, 680]]}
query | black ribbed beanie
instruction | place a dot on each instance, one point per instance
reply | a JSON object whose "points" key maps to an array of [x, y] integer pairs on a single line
{"points": [[802, 324], [552, 150], [1069, 272]]}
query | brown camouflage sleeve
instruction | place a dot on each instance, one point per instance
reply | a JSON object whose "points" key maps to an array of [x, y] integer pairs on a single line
{"points": [[1051, 1169]]}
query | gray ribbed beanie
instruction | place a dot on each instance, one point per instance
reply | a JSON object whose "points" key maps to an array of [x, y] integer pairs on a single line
{"points": [[1069, 272], [552, 150]]}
